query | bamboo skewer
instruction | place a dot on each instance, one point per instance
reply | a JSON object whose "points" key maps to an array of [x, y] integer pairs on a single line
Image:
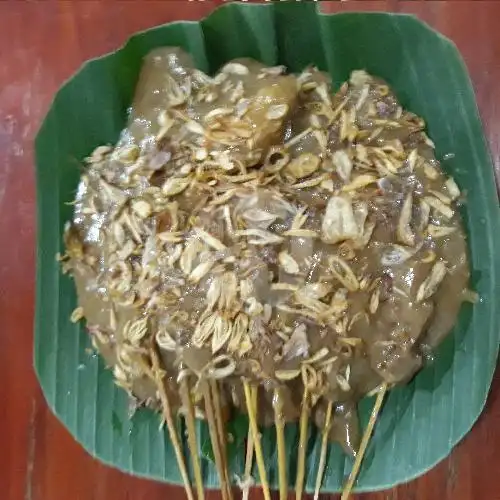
{"points": [[324, 448], [280, 438], [192, 440], [249, 453], [364, 443], [304, 420], [214, 438], [218, 416], [156, 376], [222, 436], [256, 439]]}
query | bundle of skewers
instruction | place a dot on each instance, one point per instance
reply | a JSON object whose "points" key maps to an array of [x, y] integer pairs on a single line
{"points": [[218, 437]]}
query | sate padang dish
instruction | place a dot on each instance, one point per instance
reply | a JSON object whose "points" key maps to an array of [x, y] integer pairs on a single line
{"points": [[257, 243]]}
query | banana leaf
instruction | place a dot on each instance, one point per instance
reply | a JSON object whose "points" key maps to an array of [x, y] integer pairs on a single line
{"points": [[421, 422]]}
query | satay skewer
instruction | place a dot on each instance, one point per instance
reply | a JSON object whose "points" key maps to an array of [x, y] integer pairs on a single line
{"points": [[249, 452], [324, 449], [191, 435], [214, 438], [301, 461], [364, 443], [280, 438], [221, 432], [252, 416], [156, 374]]}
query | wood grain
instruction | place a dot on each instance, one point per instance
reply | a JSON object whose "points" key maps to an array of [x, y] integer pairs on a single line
{"points": [[42, 44]]}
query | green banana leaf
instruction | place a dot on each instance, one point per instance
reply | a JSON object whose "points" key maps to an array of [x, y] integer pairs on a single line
{"points": [[420, 423]]}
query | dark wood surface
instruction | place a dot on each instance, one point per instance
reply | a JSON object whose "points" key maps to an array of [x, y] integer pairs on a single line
{"points": [[41, 44]]}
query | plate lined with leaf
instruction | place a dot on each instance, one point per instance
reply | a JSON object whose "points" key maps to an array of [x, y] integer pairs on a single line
{"points": [[420, 422]]}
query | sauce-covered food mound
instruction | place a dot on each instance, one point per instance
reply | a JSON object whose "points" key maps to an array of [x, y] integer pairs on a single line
{"points": [[259, 243]]}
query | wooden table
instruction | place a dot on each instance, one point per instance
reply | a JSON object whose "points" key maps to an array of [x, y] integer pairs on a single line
{"points": [[42, 44]]}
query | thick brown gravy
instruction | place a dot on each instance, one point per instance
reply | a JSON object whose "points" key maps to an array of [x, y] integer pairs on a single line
{"points": [[255, 225]]}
